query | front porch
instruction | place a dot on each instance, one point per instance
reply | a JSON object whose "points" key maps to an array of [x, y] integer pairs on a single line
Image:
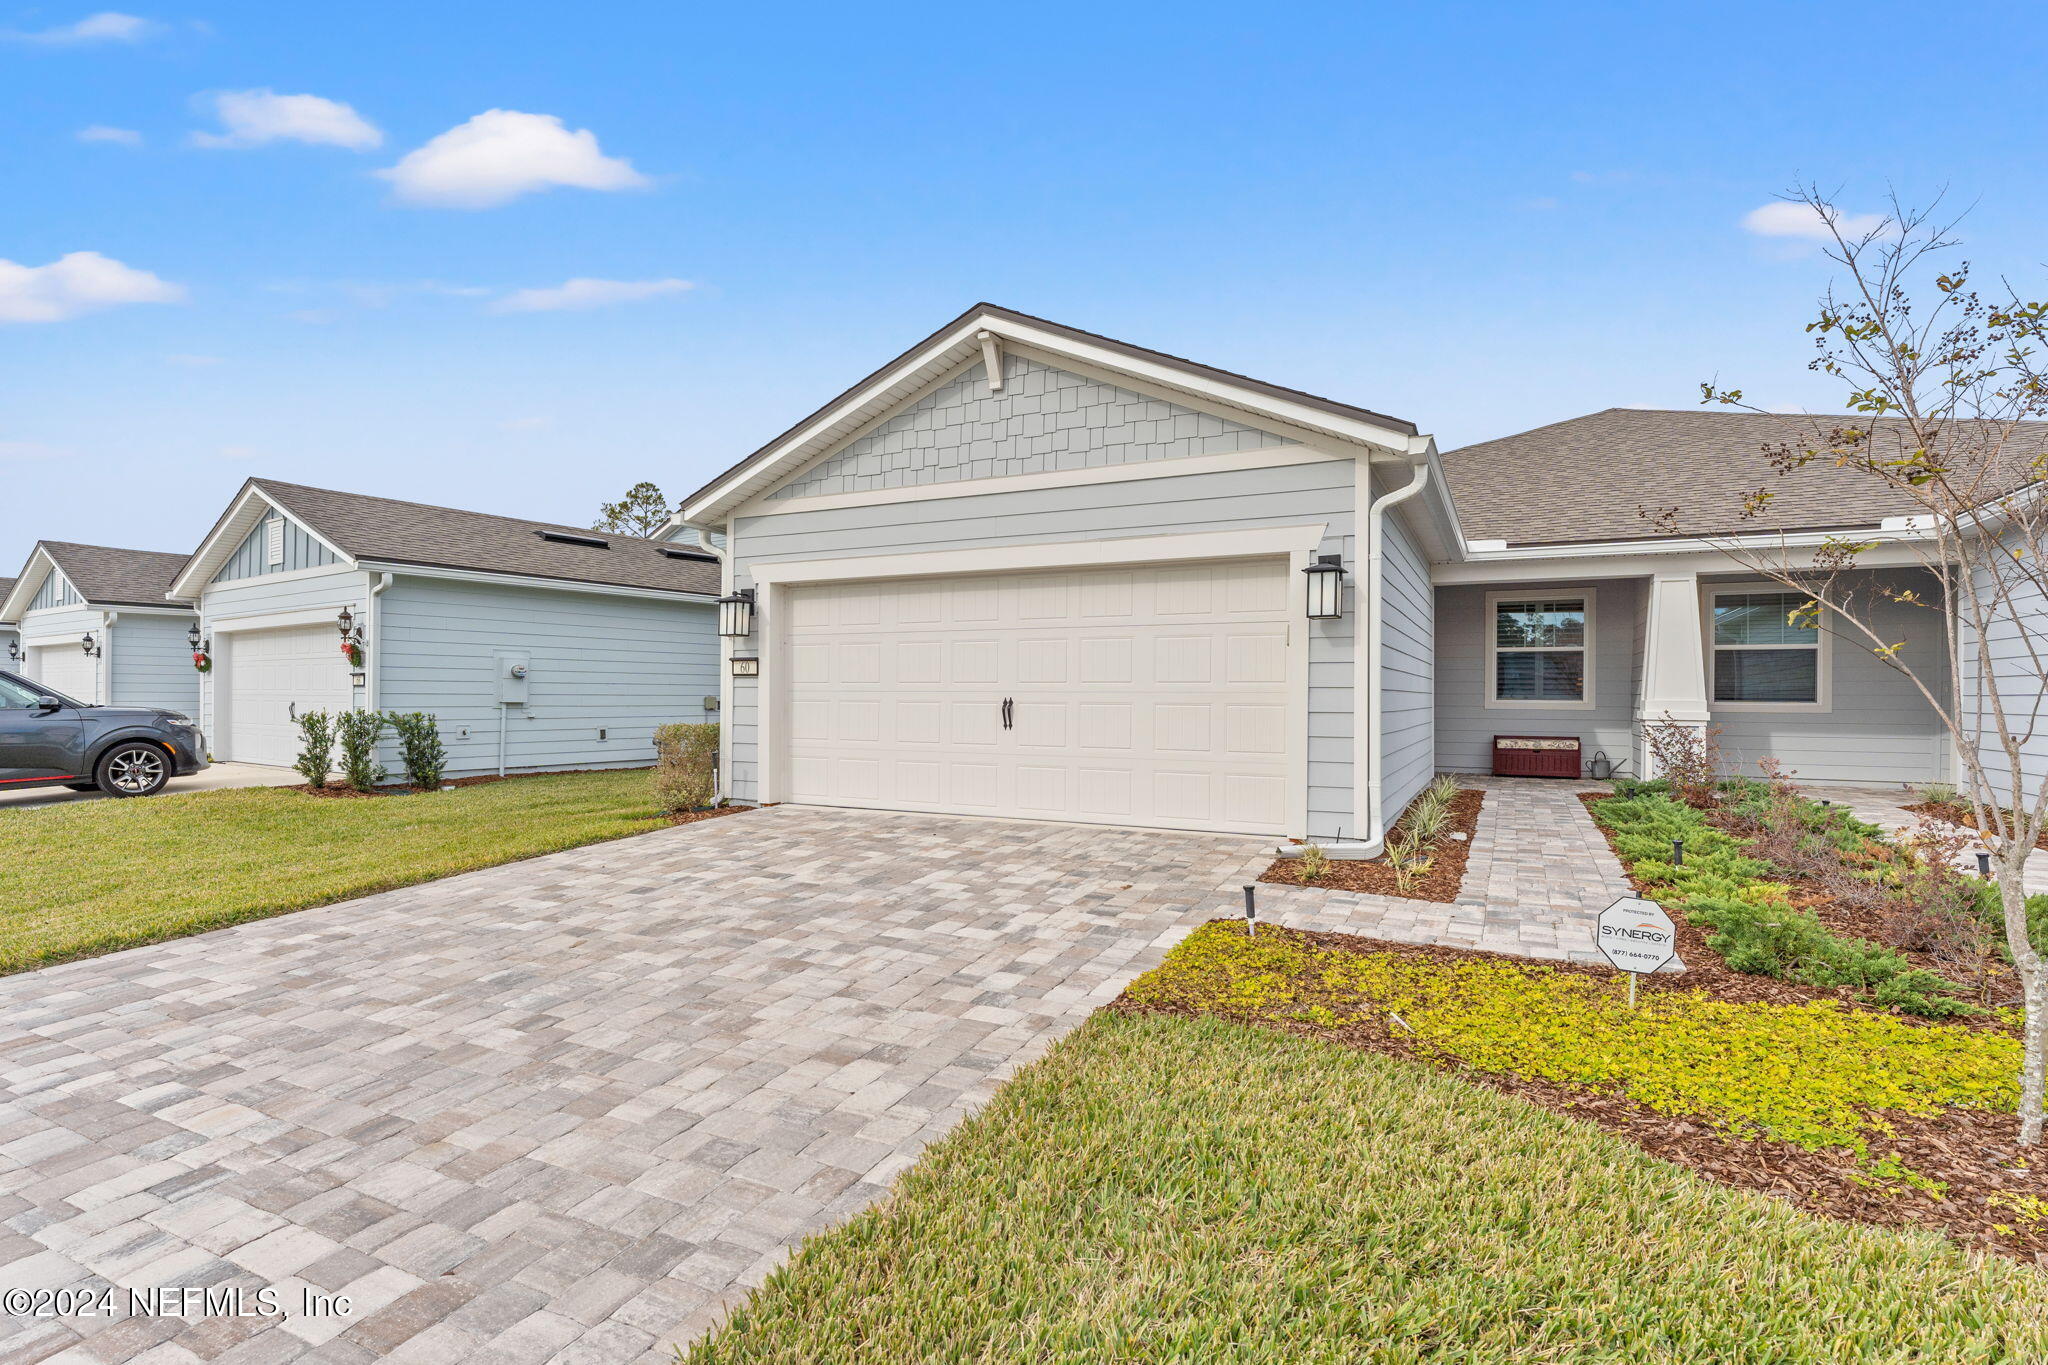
{"points": [[1593, 654]]}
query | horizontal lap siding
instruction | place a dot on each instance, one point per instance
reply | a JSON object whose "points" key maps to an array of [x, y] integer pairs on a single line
{"points": [[1288, 495], [1879, 728], [330, 592], [1465, 725], [39, 627], [2019, 652], [1407, 670], [622, 664], [152, 663]]}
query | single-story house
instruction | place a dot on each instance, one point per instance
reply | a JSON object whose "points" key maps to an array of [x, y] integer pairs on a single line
{"points": [[1023, 570], [538, 647], [10, 638], [94, 625]]}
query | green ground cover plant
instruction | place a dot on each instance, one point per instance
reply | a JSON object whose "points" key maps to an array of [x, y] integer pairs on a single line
{"points": [[93, 876], [1817, 1074], [1165, 1188]]}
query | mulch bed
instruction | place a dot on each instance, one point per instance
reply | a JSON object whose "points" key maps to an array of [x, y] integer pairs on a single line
{"points": [[1703, 964], [1956, 813], [1973, 1151], [691, 817], [1447, 858]]}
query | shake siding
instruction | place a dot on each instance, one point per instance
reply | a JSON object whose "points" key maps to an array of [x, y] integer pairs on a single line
{"points": [[249, 560], [258, 597], [1879, 728], [1407, 665], [621, 664], [1465, 725], [1289, 495], [152, 663]]}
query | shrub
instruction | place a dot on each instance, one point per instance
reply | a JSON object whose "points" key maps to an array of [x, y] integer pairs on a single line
{"points": [[1939, 794], [1687, 756], [1739, 899], [420, 748], [1315, 864], [685, 767], [316, 747], [357, 732]]}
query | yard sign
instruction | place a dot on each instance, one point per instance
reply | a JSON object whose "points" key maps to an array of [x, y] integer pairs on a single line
{"points": [[1637, 937]]}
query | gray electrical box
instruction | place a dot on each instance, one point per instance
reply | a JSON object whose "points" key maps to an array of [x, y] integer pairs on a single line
{"points": [[711, 703], [513, 667]]}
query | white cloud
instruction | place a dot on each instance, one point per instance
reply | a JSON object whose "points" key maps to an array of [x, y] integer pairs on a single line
{"points": [[575, 295], [78, 283], [1806, 223], [100, 132], [104, 27], [501, 154], [252, 118]]}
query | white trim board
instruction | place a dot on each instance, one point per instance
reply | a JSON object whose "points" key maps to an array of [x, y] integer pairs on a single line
{"points": [[1268, 540], [377, 566], [277, 620], [1271, 457]]}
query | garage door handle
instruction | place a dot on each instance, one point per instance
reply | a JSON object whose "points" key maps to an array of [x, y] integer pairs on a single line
{"points": [[1009, 713], [292, 711]]}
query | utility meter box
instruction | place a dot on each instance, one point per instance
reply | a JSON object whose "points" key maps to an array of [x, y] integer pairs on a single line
{"points": [[513, 668]]}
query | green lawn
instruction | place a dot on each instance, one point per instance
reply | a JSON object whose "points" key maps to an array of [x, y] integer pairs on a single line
{"points": [[93, 876], [1176, 1189]]}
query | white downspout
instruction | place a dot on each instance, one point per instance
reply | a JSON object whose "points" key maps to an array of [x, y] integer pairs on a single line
{"points": [[1369, 655], [106, 660], [373, 633], [718, 795]]}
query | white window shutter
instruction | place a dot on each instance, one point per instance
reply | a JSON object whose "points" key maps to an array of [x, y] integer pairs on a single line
{"points": [[273, 542]]}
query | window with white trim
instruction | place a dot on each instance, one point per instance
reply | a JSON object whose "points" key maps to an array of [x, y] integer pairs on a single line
{"points": [[1767, 647], [1539, 649]]}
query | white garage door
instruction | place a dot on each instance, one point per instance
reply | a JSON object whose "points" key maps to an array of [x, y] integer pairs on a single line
{"points": [[273, 675], [1136, 696], [66, 669]]}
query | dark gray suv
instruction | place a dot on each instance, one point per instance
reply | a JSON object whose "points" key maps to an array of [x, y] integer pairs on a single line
{"points": [[49, 740]]}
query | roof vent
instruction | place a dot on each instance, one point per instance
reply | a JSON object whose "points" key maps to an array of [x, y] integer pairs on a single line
{"points": [[571, 538], [692, 555]]}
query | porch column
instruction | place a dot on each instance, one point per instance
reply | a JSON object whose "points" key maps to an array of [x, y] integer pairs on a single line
{"points": [[1674, 660]]}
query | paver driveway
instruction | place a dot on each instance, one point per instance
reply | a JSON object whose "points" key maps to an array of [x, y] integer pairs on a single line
{"points": [[556, 1109]]}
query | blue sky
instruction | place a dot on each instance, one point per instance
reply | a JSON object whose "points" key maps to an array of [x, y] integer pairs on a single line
{"points": [[1479, 217]]}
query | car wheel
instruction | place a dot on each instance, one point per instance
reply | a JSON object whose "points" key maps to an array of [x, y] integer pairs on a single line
{"points": [[133, 769]]}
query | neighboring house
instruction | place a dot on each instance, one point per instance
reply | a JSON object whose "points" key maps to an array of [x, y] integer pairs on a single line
{"points": [[538, 647], [10, 638], [1023, 570], [95, 626]]}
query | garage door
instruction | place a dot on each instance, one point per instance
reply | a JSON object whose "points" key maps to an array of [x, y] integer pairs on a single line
{"points": [[273, 675], [1139, 696], [66, 669]]}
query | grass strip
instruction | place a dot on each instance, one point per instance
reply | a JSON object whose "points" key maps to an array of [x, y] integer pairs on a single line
{"points": [[1162, 1188], [93, 876]]}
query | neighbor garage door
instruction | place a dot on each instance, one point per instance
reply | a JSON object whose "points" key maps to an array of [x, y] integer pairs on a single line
{"points": [[1135, 696], [66, 669], [273, 675]]}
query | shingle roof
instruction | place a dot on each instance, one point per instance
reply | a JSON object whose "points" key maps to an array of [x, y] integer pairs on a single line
{"points": [[106, 576], [443, 537], [7, 586], [1585, 479]]}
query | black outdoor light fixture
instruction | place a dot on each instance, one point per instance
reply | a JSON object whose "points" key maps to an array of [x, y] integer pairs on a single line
{"points": [[736, 614], [14, 651], [1325, 587], [347, 622], [90, 646]]}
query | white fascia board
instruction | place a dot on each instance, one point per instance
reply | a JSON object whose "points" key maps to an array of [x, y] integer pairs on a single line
{"points": [[528, 581], [39, 567], [152, 611], [1064, 554], [1688, 556], [920, 369], [244, 514]]}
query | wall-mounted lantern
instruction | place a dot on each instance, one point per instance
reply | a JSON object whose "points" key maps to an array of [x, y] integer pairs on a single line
{"points": [[202, 649], [736, 615], [351, 638], [90, 646], [14, 651], [1325, 587]]}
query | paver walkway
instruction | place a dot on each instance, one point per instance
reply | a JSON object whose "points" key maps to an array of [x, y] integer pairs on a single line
{"points": [[1885, 807], [567, 1108]]}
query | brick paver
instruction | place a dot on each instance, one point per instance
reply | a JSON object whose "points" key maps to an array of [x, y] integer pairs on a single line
{"points": [[567, 1108]]}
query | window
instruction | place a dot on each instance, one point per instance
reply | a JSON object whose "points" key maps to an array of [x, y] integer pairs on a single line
{"points": [[16, 697], [1537, 649], [1767, 651]]}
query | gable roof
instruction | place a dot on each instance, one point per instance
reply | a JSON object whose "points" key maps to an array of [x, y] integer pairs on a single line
{"points": [[103, 575], [957, 343], [368, 529], [1584, 479]]}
